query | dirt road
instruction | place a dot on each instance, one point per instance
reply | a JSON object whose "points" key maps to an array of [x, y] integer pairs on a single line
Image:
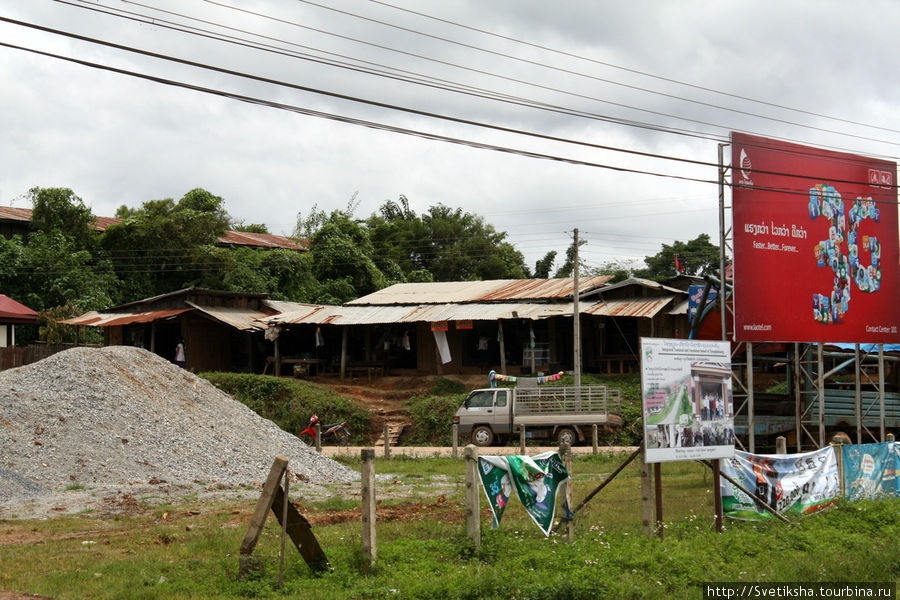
{"points": [[438, 451]]}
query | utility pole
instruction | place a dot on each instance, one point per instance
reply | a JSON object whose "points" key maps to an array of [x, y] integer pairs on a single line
{"points": [[576, 318]]}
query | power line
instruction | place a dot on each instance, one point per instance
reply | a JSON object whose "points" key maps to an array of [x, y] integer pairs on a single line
{"points": [[634, 71], [488, 73]]}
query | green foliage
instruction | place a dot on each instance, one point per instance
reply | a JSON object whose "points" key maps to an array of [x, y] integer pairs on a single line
{"points": [[432, 418], [51, 330], [182, 557], [446, 387], [250, 227], [542, 267], [697, 257], [289, 403], [450, 244], [59, 210]]}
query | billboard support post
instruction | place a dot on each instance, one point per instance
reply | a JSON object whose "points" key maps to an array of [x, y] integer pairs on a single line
{"points": [[722, 236], [750, 423], [820, 391], [881, 388], [857, 395]]}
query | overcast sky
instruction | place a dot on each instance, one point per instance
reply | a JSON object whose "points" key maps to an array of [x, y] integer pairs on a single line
{"points": [[666, 78]]}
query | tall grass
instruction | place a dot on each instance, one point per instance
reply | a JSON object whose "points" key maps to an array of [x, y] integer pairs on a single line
{"points": [[423, 551]]}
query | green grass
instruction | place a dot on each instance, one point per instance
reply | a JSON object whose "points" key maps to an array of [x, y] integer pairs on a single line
{"points": [[427, 555]]}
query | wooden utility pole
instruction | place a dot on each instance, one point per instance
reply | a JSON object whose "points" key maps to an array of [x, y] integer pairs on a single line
{"points": [[576, 318]]}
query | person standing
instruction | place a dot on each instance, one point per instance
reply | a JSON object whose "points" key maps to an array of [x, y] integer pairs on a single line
{"points": [[179, 354]]}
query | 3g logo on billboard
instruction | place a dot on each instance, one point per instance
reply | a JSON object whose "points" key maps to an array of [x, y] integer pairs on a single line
{"points": [[825, 201]]}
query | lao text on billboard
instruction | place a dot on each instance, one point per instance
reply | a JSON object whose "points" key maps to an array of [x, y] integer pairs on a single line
{"points": [[687, 399], [815, 244]]}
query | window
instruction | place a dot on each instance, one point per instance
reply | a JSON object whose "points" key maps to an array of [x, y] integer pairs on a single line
{"points": [[481, 399], [502, 395]]}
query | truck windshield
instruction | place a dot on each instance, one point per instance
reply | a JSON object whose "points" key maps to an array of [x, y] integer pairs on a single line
{"points": [[480, 399]]}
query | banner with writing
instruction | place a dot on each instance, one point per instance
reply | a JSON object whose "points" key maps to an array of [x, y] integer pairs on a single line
{"points": [[870, 470], [534, 479], [789, 483]]}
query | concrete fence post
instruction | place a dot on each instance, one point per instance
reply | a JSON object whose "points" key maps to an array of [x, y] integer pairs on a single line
{"points": [[369, 542], [781, 445]]}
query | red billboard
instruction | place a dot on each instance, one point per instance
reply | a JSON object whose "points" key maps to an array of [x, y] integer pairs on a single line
{"points": [[815, 244]]}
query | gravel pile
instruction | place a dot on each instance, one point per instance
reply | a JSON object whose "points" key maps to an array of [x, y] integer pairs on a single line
{"points": [[122, 416]]}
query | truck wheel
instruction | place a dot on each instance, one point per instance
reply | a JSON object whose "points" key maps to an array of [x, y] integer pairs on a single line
{"points": [[482, 436], [566, 436]]}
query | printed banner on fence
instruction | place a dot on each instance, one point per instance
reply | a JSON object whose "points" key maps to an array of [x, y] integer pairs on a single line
{"points": [[789, 483], [535, 479], [870, 470]]}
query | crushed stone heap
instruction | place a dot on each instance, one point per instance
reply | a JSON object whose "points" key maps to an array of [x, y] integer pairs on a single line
{"points": [[122, 415]]}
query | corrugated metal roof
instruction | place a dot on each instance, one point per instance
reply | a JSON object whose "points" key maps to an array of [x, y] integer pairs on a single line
{"points": [[428, 313], [244, 319], [488, 311], [264, 240], [11, 213], [636, 307], [496, 290], [101, 319]]}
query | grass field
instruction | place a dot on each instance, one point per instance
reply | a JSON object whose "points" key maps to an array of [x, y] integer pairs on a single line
{"points": [[190, 551]]}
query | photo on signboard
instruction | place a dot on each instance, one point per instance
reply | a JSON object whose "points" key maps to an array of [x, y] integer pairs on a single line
{"points": [[687, 399]]}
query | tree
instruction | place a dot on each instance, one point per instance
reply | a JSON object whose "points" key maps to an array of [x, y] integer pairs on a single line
{"points": [[166, 245], [60, 210], [450, 244], [250, 227], [697, 257], [543, 266], [568, 268], [619, 270]]}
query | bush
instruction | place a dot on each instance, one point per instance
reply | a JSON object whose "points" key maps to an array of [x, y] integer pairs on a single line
{"points": [[289, 403], [432, 418]]}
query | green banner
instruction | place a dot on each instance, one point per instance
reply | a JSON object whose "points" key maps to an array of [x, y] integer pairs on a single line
{"points": [[535, 479]]}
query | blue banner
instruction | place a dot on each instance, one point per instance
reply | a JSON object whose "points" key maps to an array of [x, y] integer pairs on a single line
{"points": [[870, 470]]}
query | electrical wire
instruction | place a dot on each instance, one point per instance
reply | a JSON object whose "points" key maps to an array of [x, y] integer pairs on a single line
{"points": [[634, 71], [571, 72]]}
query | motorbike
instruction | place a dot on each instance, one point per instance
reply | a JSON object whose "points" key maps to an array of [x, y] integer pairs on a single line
{"points": [[334, 432]]}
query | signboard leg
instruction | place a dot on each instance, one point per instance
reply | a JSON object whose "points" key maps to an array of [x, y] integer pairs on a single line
{"points": [[717, 493]]}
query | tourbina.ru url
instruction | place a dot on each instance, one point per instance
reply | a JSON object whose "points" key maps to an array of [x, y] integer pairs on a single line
{"points": [[799, 590]]}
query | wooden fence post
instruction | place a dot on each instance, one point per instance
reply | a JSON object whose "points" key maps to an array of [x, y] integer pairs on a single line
{"points": [[369, 542], [594, 439], [566, 453], [473, 498], [455, 440], [387, 440], [522, 440], [284, 520], [646, 498], [717, 492], [657, 490], [318, 437]]}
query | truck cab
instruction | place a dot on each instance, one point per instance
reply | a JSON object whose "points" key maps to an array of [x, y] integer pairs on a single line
{"points": [[485, 415]]}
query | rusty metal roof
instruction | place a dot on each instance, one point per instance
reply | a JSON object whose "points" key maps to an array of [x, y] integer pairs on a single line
{"points": [[487, 311], [635, 307], [263, 240], [243, 319], [496, 290], [110, 319]]}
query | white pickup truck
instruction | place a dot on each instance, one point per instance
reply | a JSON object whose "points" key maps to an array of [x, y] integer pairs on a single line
{"points": [[563, 413]]}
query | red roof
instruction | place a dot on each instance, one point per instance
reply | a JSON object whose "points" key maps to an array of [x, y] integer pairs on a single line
{"points": [[14, 312]]}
